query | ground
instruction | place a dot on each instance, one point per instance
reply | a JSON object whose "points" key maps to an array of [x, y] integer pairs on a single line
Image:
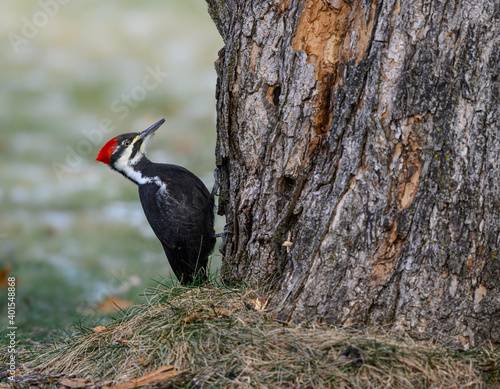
{"points": [[220, 336]]}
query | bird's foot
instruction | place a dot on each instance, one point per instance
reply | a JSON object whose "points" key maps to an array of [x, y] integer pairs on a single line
{"points": [[223, 235]]}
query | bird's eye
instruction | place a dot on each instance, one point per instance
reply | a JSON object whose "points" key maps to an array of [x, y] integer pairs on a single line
{"points": [[126, 142]]}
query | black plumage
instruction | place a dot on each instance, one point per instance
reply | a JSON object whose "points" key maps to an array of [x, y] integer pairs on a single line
{"points": [[177, 204], [182, 218]]}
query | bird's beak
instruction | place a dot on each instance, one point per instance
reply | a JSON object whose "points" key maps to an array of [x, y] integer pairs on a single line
{"points": [[150, 131]]}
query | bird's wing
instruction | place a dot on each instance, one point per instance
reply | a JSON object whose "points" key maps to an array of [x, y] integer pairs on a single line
{"points": [[176, 213]]}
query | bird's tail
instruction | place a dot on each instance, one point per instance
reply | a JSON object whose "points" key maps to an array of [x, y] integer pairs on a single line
{"points": [[189, 264]]}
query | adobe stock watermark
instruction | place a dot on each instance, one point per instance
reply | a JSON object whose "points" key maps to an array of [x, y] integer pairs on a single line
{"points": [[11, 328], [94, 138], [31, 26]]}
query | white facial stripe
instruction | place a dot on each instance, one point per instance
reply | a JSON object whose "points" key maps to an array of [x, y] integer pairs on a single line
{"points": [[136, 176], [145, 143], [122, 164], [126, 165]]}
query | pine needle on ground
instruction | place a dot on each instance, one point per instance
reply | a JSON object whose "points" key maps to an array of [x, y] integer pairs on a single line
{"points": [[218, 336]]}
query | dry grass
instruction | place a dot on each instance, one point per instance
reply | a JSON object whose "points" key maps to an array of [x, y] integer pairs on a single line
{"points": [[223, 342]]}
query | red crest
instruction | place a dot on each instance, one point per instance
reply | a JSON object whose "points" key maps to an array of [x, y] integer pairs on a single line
{"points": [[107, 151]]}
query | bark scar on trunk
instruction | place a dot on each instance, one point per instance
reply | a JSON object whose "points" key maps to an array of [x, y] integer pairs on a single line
{"points": [[386, 258], [409, 176], [320, 33], [331, 34]]}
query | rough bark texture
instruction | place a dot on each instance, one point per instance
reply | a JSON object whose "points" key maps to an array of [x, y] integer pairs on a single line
{"points": [[367, 131]]}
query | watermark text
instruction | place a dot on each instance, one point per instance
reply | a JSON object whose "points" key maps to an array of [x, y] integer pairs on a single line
{"points": [[48, 9], [11, 320]]}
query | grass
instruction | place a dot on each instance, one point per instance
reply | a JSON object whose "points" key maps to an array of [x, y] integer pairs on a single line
{"points": [[217, 335]]}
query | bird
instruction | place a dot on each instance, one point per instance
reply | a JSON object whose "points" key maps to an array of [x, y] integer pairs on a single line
{"points": [[177, 204]]}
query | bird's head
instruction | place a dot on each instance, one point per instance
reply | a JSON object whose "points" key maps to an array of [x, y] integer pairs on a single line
{"points": [[127, 149]]}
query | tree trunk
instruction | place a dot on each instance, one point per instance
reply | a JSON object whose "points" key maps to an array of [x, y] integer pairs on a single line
{"points": [[365, 135]]}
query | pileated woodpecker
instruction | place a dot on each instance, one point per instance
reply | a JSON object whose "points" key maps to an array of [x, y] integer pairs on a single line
{"points": [[177, 204]]}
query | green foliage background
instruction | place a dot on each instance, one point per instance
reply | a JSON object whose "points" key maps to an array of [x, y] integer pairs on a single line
{"points": [[73, 230]]}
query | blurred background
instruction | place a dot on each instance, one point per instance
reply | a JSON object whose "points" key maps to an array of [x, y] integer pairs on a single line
{"points": [[73, 75]]}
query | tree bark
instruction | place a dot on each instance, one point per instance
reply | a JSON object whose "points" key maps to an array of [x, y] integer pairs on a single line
{"points": [[364, 134]]}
